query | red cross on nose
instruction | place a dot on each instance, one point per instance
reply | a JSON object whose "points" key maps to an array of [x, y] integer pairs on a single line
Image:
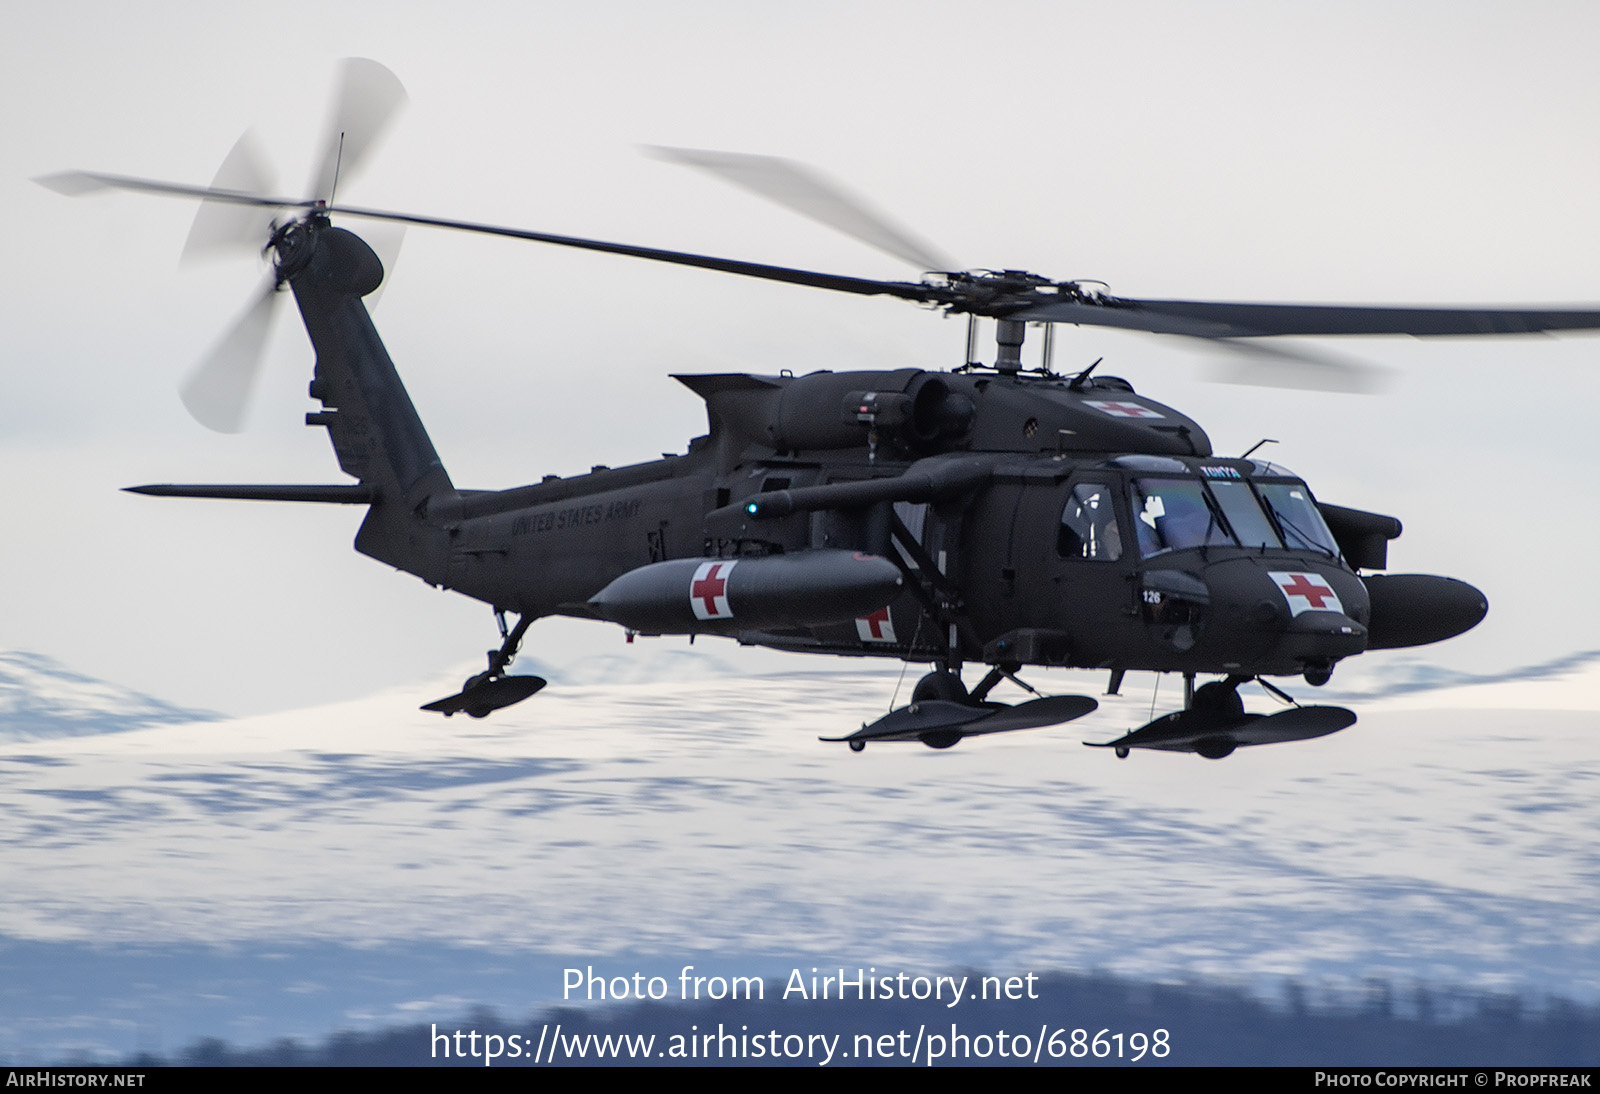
{"points": [[1314, 594], [876, 621]]}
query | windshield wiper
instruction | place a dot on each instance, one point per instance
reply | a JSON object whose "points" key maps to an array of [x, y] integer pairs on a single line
{"points": [[1286, 524]]}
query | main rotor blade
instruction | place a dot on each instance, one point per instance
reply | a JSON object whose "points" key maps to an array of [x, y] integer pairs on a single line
{"points": [[78, 183], [368, 98], [75, 183], [1206, 319], [218, 391], [800, 188], [1256, 363], [1196, 318], [221, 226], [906, 290]]}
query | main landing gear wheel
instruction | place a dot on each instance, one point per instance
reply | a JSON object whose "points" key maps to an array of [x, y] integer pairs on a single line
{"points": [[472, 682], [940, 684], [1220, 700], [1221, 697]]}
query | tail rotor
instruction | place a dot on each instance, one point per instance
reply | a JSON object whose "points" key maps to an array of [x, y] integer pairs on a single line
{"points": [[224, 229], [217, 392], [237, 213], [367, 98]]}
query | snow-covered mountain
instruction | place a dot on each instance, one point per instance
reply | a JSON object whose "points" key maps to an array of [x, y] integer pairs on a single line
{"points": [[40, 697], [365, 861]]}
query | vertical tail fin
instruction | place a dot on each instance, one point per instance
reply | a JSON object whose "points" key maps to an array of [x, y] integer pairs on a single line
{"points": [[376, 433]]}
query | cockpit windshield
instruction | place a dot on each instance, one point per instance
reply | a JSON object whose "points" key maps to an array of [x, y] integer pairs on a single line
{"points": [[1303, 527], [1250, 525], [1172, 514]]}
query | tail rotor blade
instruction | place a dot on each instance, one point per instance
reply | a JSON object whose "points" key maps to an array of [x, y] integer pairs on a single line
{"points": [[367, 99], [218, 391], [385, 239], [801, 189], [224, 227]]}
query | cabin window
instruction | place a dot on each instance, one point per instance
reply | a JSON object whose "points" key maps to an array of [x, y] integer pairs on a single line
{"points": [[1089, 525]]}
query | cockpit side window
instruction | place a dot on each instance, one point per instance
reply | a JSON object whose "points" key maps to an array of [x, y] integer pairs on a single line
{"points": [[1089, 525]]}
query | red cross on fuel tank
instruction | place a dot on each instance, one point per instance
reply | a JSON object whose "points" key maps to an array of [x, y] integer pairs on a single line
{"points": [[877, 627], [708, 592]]}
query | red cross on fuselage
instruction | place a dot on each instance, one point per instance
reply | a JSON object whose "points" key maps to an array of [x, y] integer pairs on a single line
{"points": [[876, 620], [1314, 594], [1124, 410], [709, 588]]}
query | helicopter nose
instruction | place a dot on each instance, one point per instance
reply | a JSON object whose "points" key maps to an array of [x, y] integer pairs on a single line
{"points": [[1296, 620], [1335, 626], [1320, 613]]}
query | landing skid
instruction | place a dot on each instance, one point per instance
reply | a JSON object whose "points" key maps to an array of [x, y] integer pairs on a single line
{"points": [[483, 698], [941, 723], [1215, 735], [489, 691]]}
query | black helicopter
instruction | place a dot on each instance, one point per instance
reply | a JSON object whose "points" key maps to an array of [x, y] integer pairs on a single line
{"points": [[993, 514]]}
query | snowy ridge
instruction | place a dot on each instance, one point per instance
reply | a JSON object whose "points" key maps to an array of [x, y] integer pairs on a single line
{"points": [[1439, 840], [1573, 679], [41, 698]]}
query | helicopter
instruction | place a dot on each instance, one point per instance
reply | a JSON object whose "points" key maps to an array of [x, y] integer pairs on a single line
{"points": [[995, 514]]}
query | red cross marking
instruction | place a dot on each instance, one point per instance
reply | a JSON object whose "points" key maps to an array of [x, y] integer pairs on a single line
{"points": [[1123, 410], [876, 620], [709, 588], [1314, 594]]}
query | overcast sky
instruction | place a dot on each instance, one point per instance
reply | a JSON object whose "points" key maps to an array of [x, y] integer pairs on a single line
{"points": [[1374, 153]]}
